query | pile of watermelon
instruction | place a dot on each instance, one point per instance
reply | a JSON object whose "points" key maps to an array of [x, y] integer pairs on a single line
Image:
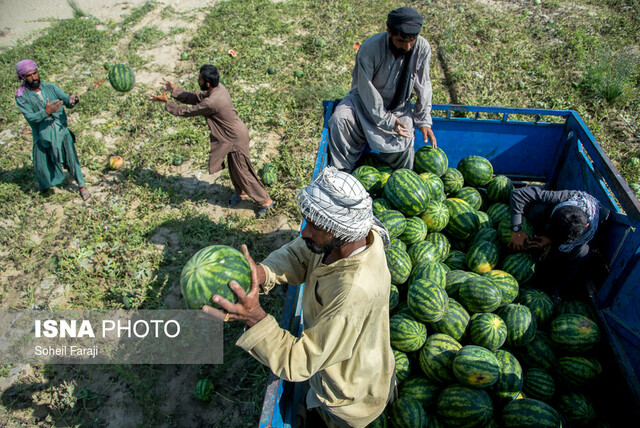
{"points": [[475, 343]]}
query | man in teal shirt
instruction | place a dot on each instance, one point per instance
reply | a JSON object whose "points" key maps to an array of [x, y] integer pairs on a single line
{"points": [[53, 144]]}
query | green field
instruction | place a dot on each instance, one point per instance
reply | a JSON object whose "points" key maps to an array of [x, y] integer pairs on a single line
{"points": [[126, 248]]}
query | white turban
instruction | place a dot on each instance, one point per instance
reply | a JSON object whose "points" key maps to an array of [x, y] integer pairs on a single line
{"points": [[337, 202]]}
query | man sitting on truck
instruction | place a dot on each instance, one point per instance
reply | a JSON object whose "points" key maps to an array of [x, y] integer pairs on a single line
{"points": [[344, 351], [377, 110], [564, 222]]}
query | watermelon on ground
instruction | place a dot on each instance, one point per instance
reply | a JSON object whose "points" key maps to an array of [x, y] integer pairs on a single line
{"points": [[121, 77]]}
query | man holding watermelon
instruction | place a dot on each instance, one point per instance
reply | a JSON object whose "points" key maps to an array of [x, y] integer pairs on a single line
{"points": [[229, 136], [377, 110], [54, 147], [344, 352]]}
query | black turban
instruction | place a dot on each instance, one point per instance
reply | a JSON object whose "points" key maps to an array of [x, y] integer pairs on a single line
{"points": [[405, 19]]}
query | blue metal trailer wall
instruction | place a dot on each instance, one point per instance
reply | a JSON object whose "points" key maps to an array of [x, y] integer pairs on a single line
{"points": [[553, 147]]}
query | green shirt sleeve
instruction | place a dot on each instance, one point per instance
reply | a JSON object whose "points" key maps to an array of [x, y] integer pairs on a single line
{"points": [[33, 116]]}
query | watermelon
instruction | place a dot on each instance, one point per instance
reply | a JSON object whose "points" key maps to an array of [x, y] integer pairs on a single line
{"points": [[208, 273], [434, 186], [121, 77], [436, 358], [427, 300], [509, 383], [455, 321], [577, 371], [435, 216], [487, 330], [486, 234], [506, 283], [408, 412], [415, 231], [407, 334], [395, 242], [455, 279], [407, 192], [442, 244], [476, 170], [429, 270], [461, 406], [499, 211], [452, 180], [484, 221], [379, 205], [505, 232], [479, 294], [521, 324], [203, 390], [576, 408], [423, 251], [456, 260], [470, 195], [394, 297], [538, 384], [574, 333], [269, 175], [520, 265], [539, 352], [529, 412], [399, 264], [476, 366], [403, 366], [430, 159], [482, 256], [370, 178], [394, 221], [463, 221], [499, 189], [578, 307], [538, 302], [422, 389]]}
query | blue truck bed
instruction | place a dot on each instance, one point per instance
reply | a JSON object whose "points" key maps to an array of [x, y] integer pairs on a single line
{"points": [[552, 147]]}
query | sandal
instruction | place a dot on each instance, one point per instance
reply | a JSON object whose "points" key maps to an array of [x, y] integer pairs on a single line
{"points": [[84, 193], [264, 210], [236, 199]]}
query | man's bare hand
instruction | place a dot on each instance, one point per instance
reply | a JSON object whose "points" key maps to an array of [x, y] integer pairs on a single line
{"points": [[168, 86], [401, 129], [73, 99], [53, 107], [427, 135], [248, 308], [519, 241], [539, 242], [160, 98]]}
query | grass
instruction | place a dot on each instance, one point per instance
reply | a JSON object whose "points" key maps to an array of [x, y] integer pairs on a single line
{"points": [[128, 249]]}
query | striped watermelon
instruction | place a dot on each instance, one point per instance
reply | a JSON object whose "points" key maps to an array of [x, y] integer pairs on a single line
{"points": [[479, 294], [506, 283], [499, 189], [578, 307], [574, 333], [208, 273], [476, 170], [484, 221], [521, 324], [486, 234], [436, 358], [487, 330], [121, 77], [427, 300], [435, 216], [538, 302], [485, 198], [430, 270], [520, 265], [423, 251], [422, 389], [403, 365], [510, 378], [499, 211], [530, 413], [482, 256], [576, 408], [455, 321], [370, 178], [395, 242], [269, 174], [407, 192], [538, 384], [394, 297], [394, 221], [408, 412], [380, 421], [415, 231], [407, 334], [463, 221], [430, 159], [539, 352], [476, 366], [452, 180], [442, 244], [379, 205], [461, 406], [455, 278], [470, 195], [456, 260], [203, 390], [434, 185], [399, 264], [577, 371]]}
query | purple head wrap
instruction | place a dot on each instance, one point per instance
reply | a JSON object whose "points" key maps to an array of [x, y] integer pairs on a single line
{"points": [[23, 67]]}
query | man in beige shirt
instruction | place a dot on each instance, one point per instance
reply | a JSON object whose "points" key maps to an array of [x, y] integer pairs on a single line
{"points": [[344, 351]]}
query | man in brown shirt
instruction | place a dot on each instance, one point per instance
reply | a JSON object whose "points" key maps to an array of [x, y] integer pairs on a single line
{"points": [[229, 136]]}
